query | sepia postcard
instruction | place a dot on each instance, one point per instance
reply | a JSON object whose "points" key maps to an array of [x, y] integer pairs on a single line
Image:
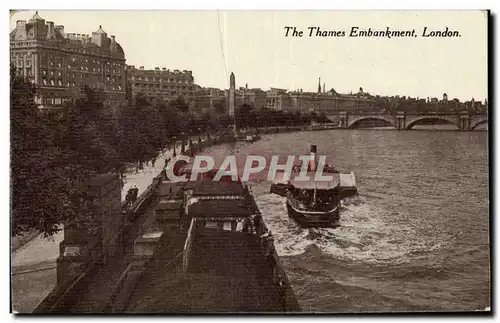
{"points": [[249, 162]]}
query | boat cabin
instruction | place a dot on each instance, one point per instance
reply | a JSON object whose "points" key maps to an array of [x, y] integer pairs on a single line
{"points": [[218, 205], [312, 194], [220, 215]]}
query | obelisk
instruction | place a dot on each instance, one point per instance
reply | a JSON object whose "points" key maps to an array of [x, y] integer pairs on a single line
{"points": [[232, 101]]}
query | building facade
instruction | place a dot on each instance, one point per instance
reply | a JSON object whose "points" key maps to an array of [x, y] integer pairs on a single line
{"points": [[161, 83], [256, 98], [212, 101], [60, 63], [319, 102]]}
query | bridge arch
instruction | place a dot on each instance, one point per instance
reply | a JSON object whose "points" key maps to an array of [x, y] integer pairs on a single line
{"points": [[449, 120], [477, 124], [355, 121]]}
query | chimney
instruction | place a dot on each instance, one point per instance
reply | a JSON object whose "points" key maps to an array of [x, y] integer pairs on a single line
{"points": [[164, 69], [59, 29], [313, 162], [157, 68], [141, 68], [50, 29], [113, 41]]}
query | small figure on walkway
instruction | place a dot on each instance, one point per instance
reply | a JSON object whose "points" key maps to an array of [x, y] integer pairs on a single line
{"points": [[153, 161], [135, 193], [128, 197]]}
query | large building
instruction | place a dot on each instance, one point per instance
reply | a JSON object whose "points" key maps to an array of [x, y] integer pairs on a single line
{"points": [[60, 63], [320, 102], [161, 83]]}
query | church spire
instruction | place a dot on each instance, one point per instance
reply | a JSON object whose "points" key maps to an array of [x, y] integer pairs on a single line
{"points": [[324, 85], [319, 85]]}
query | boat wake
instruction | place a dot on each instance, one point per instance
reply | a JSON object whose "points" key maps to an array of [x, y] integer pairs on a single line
{"points": [[365, 233]]}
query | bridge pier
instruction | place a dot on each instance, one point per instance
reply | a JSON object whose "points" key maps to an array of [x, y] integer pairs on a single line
{"points": [[464, 122], [401, 121], [344, 120]]}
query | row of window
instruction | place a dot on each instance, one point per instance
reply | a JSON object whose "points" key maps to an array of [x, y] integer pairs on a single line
{"points": [[167, 87], [20, 44], [51, 101], [114, 79], [27, 61], [161, 79], [68, 84], [225, 226]]}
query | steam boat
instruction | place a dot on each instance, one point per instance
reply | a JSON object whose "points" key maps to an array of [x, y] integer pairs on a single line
{"points": [[315, 203]]}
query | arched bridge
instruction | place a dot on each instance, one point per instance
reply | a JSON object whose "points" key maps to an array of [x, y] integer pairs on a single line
{"points": [[464, 121]]}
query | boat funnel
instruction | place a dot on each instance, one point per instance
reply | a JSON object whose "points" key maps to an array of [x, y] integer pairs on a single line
{"points": [[313, 161]]}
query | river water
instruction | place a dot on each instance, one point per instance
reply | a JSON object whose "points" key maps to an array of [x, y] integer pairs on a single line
{"points": [[415, 239]]}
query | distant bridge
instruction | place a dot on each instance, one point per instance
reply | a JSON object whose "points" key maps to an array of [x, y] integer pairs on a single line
{"points": [[464, 121]]}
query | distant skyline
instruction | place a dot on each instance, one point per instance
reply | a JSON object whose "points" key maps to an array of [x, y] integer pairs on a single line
{"points": [[252, 44]]}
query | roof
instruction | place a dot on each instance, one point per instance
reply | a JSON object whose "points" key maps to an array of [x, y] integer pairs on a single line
{"points": [[99, 31], [36, 16], [313, 184], [209, 187], [236, 284], [212, 208]]}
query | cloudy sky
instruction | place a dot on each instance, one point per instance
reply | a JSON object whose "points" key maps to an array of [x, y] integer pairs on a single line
{"points": [[253, 45]]}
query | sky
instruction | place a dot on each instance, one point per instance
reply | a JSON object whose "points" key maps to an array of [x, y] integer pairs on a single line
{"points": [[253, 45]]}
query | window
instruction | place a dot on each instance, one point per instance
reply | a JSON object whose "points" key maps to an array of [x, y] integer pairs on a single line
{"points": [[227, 226], [51, 82], [211, 225], [59, 82]]}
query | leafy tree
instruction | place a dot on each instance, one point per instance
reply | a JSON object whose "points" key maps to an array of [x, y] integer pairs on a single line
{"points": [[46, 188]]}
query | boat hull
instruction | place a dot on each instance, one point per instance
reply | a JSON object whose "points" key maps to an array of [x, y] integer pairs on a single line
{"points": [[282, 190], [311, 219]]}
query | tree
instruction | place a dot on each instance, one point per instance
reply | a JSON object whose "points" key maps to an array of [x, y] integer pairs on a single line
{"points": [[46, 189]]}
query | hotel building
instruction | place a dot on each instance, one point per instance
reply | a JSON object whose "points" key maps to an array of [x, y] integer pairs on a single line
{"points": [[60, 64]]}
